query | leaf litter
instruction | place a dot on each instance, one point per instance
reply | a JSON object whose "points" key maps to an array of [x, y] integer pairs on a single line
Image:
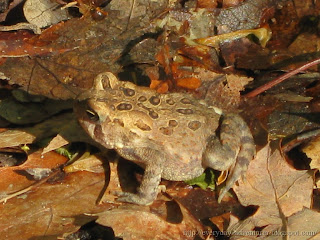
{"points": [[175, 45]]}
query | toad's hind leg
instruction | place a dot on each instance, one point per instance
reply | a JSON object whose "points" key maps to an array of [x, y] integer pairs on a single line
{"points": [[233, 151]]}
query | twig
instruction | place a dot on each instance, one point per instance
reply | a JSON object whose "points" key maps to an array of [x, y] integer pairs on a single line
{"points": [[27, 189], [281, 78]]}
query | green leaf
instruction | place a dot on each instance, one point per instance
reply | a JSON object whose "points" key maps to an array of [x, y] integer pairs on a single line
{"points": [[204, 181], [64, 152]]}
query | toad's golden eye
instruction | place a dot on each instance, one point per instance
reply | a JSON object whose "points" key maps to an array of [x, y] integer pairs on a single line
{"points": [[92, 115]]}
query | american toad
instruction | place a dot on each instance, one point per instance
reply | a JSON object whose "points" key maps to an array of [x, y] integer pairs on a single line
{"points": [[173, 136]]}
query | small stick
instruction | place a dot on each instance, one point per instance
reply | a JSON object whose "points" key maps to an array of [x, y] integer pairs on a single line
{"points": [[281, 78], [27, 189]]}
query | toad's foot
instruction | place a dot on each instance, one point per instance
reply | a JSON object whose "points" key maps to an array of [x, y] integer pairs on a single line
{"points": [[133, 198]]}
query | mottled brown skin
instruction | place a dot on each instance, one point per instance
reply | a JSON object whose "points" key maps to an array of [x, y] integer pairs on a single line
{"points": [[173, 136]]}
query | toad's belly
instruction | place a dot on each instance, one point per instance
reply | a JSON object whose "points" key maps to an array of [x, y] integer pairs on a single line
{"points": [[181, 170]]}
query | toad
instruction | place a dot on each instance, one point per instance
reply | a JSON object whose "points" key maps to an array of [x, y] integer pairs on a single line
{"points": [[172, 136]]}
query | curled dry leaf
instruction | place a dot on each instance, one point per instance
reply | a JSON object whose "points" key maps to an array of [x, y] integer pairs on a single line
{"points": [[263, 34], [21, 26], [312, 150]]}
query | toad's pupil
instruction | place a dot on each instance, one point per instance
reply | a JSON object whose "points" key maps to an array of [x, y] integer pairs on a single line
{"points": [[92, 115]]}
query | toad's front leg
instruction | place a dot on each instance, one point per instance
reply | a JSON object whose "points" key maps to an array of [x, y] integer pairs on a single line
{"points": [[148, 190], [233, 150]]}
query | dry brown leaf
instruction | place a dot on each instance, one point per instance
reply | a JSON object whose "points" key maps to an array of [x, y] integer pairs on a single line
{"points": [[305, 8], [304, 43], [57, 142], [287, 119], [276, 188], [292, 97], [220, 90], [80, 49], [114, 184], [248, 15], [140, 222], [90, 163], [77, 50], [12, 180], [304, 225], [279, 192], [52, 209], [22, 43], [132, 9], [12, 138]]}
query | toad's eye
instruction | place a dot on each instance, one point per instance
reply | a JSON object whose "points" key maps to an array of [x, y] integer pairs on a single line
{"points": [[92, 115]]}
